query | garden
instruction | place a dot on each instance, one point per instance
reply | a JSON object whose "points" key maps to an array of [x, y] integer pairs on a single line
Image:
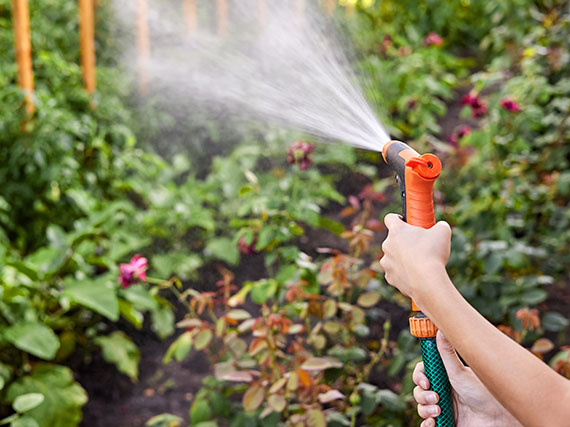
{"points": [[163, 265]]}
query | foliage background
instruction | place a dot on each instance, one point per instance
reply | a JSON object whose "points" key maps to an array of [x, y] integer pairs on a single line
{"points": [[84, 189]]}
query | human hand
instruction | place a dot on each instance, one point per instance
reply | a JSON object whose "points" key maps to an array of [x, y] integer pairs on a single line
{"points": [[410, 252], [473, 404]]}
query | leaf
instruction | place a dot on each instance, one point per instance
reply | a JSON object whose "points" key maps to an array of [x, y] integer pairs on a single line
{"points": [[253, 397], [25, 421], [264, 238], [97, 295], [34, 338], [555, 322], [200, 411], [164, 420], [542, 345], [534, 296], [163, 321], [26, 402], [330, 395], [122, 352], [238, 314], [368, 299], [263, 290], [320, 364], [391, 400], [180, 348], [238, 376], [63, 396], [278, 385], [316, 418], [224, 249], [277, 402], [203, 339]]}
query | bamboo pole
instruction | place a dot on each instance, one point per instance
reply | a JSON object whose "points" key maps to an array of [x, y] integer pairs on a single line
{"points": [[300, 13], [143, 44], [262, 13], [23, 48], [330, 6], [222, 12], [87, 43], [190, 15]]}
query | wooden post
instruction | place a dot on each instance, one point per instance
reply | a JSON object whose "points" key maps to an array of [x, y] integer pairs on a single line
{"points": [[190, 15], [262, 13], [222, 9], [330, 6], [23, 48], [143, 43], [87, 43], [300, 13]]}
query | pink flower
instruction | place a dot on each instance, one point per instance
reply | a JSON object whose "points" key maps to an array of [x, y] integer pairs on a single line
{"points": [[510, 105], [478, 107], [433, 39], [299, 153], [246, 249], [133, 271]]}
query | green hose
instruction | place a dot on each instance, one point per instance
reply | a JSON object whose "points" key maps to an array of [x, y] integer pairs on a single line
{"points": [[437, 376]]}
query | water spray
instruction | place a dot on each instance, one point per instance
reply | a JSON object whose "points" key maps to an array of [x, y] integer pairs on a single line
{"points": [[416, 175]]}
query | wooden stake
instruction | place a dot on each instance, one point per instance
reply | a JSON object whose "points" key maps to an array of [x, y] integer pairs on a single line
{"points": [[262, 12], [23, 48], [143, 43], [87, 43], [222, 9], [300, 13], [330, 6], [190, 15]]}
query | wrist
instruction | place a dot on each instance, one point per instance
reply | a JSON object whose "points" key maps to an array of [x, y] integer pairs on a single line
{"points": [[433, 284]]}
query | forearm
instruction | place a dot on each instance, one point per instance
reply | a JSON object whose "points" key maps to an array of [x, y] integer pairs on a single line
{"points": [[523, 384]]}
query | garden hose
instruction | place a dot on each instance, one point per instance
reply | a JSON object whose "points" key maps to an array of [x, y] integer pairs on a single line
{"points": [[416, 175]]}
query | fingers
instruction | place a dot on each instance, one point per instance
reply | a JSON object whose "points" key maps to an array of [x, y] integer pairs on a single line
{"points": [[430, 422], [453, 365], [392, 221], [419, 376], [428, 411], [424, 397]]}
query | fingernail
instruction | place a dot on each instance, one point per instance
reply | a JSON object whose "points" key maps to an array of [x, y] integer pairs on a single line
{"points": [[434, 411], [432, 398], [424, 384]]}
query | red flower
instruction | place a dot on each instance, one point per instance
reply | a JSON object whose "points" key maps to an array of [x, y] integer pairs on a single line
{"points": [[299, 153], [510, 105], [478, 107], [133, 271], [246, 249], [433, 39]]}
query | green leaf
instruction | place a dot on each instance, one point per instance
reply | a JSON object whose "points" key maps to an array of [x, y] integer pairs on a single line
{"points": [[128, 311], [181, 264], [97, 295], [263, 290], [391, 400], [122, 352], [368, 299], [163, 321], [203, 339], [264, 238], [63, 396], [200, 411], [316, 418], [141, 297], [34, 338], [534, 296], [26, 402], [224, 249], [555, 322], [164, 420], [25, 421], [331, 225]]}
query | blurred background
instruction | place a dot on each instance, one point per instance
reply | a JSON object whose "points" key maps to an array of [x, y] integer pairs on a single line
{"points": [[166, 264]]}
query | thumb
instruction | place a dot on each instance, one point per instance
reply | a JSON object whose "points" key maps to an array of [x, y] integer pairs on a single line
{"points": [[453, 365]]}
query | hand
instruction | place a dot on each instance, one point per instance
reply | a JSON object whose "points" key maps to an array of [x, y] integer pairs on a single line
{"points": [[411, 252], [473, 404]]}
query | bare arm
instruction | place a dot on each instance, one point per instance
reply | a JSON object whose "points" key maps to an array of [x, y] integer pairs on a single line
{"points": [[523, 384]]}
